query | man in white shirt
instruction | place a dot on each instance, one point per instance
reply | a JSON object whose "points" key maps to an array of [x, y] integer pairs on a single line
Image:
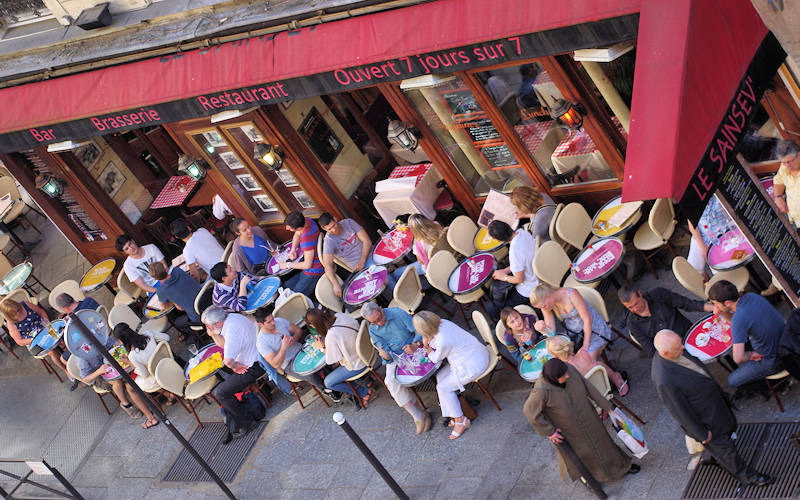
{"points": [[201, 250], [137, 265], [236, 335], [520, 270]]}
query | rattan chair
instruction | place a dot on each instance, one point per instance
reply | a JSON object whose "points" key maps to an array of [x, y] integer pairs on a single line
{"points": [[294, 309], [438, 273], [323, 291], [500, 328], [69, 286], [574, 225], [654, 236], [131, 291], [552, 266], [121, 313], [552, 228], [781, 377], [170, 377], [74, 372], [494, 355], [598, 377], [369, 356], [461, 235], [691, 280]]}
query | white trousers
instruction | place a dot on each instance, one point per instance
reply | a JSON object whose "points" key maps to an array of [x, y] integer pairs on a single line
{"points": [[696, 258], [402, 395], [447, 386]]}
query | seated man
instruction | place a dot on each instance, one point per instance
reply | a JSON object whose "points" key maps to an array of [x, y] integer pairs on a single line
{"points": [[519, 272], [180, 289], [304, 242], [137, 265], [92, 371], [655, 310], [236, 335], [392, 331], [279, 341], [752, 319], [230, 289], [786, 183], [201, 249], [252, 247], [67, 304], [350, 243]]}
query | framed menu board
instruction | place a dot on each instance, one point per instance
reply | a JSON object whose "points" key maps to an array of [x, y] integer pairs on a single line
{"points": [[319, 137]]}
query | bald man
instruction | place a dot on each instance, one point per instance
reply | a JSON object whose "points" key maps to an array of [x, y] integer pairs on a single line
{"points": [[697, 402]]}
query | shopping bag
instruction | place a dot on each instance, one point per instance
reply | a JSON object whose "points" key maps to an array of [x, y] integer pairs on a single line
{"points": [[629, 433], [283, 296], [693, 446]]}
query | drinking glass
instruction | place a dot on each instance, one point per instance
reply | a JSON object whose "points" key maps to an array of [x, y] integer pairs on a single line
{"points": [[192, 349]]}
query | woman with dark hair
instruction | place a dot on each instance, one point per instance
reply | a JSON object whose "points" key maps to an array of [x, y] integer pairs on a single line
{"points": [[140, 347], [338, 335], [559, 408]]}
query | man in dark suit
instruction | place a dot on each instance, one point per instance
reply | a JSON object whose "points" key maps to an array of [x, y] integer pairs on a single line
{"points": [[697, 402]]}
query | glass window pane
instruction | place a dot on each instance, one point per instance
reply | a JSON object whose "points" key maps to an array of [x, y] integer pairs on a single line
{"points": [[758, 143]]}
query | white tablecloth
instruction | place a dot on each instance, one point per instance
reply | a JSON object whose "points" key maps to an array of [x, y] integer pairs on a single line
{"points": [[416, 200]]}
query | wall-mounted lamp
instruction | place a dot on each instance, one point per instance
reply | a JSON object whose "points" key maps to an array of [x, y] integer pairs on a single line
{"points": [[402, 135], [62, 146], [190, 166], [209, 148], [230, 114], [567, 113], [52, 186], [269, 155]]}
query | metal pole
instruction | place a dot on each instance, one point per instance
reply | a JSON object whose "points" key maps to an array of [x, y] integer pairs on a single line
{"points": [[153, 408], [339, 419], [66, 484], [566, 450]]}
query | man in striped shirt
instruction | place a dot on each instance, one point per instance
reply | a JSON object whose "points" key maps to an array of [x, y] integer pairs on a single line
{"points": [[304, 242], [230, 289]]}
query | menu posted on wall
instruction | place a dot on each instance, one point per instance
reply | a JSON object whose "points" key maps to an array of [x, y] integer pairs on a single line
{"points": [[755, 212]]}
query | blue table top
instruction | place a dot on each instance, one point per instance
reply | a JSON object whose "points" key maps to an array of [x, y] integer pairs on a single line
{"points": [[45, 340], [263, 293]]}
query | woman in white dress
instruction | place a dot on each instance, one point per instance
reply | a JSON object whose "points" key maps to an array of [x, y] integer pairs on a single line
{"points": [[140, 347], [467, 358]]}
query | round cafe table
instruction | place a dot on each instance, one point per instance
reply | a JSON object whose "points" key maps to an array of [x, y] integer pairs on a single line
{"points": [[77, 344], [15, 278], [392, 246], [530, 370], [365, 285], [472, 273], [598, 260], [203, 354], [484, 242], [601, 225], [263, 293], [769, 185], [154, 308], [415, 372], [305, 363], [98, 275], [715, 338], [273, 266], [45, 341], [731, 251]]}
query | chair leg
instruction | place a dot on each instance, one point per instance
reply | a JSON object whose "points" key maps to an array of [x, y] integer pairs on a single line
{"points": [[671, 250], [255, 388], [211, 395], [8, 348], [379, 379], [191, 406], [419, 399], [649, 264], [28, 222], [625, 338], [46, 365], [296, 395], [627, 410], [156, 403], [486, 391], [355, 394], [180, 400], [102, 402], [774, 394], [438, 304]]}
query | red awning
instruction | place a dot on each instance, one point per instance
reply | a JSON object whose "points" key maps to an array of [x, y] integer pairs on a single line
{"points": [[690, 58], [377, 37]]}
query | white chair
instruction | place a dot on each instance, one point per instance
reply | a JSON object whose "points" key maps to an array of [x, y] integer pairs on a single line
{"points": [[494, 355], [227, 252], [369, 356], [294, 309], [408, 290], [69, 286], [121, 313], [74, 372], [130, 290], [691, 280], [574, 225], [500, 328], [781, 377], [552, 266], [552, 228], [598, 377], [323, 291], [438, 273], [9, 186], [461, 235], [169, 376], [652, 237]]}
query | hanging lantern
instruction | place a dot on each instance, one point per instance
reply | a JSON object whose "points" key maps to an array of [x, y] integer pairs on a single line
{"points": [[401, 135], [269, 155], [53, 186], [189, 166], [567, 113]]}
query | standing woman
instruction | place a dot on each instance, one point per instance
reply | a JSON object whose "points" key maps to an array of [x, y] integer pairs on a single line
{"points": [[535, 206], [467, 359], [559, 408], [338, 335], [23, 321], [579, 318]]}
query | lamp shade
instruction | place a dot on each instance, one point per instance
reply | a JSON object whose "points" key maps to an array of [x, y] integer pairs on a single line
{"points": [[399, 133], [191, 167], [566, 113], [269, 155]]}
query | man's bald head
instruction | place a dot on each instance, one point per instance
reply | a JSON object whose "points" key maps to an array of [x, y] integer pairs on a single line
{"points": [[668, 344]]}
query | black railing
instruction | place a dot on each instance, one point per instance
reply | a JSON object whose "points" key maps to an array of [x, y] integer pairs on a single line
{"points": [[39, 467]]}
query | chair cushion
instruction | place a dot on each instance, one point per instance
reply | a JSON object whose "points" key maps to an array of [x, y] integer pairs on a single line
{"points": [[200, 389]]}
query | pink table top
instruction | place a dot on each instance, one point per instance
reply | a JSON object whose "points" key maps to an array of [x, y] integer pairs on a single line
{"points": [[366, 285], [273, 266], [176, 191], [418, 170], [598, 260], [768, 185], [471, 273], [532, 134], [392, 246], [732, 251], [714, 338], [575, 144]]}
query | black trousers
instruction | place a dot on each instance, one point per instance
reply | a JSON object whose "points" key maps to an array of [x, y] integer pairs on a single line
{"points": [[791, 363], [723, 450], [237, 382]]}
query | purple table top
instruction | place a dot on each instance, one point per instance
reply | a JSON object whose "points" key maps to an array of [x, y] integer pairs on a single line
{"points": [[273, 266], [365, 285], [471, 273], [732, 251], [769, 185], [598, 260]]}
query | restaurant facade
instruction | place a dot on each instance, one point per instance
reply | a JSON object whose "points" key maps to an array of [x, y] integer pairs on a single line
{"points": [[577, 99]]}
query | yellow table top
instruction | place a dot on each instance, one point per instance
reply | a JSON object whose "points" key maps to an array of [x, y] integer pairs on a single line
{"points": [[98, 274], [484, 242]]}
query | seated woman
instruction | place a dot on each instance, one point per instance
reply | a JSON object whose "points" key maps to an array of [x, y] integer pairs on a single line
{"points": [[23, 321], [467, 359], [278, 342], [251, 248], [426, 234], [338, 334], [562, 348], [140, 348], [580, 319], [538, 208], [519, 331]]}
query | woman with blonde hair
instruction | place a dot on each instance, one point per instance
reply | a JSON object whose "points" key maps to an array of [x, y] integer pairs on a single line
{"points": [[23, 321], [579, 318], [562, 348], [535, 206], [426, 234], [467, 359]]}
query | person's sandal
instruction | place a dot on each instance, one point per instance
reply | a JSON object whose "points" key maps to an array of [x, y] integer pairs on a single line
{"points": [[148, 424], [371, 396], [454, 434]]}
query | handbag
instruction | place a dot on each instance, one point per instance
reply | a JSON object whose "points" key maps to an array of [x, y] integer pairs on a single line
{"points": [[499, 291], [629, 433]]}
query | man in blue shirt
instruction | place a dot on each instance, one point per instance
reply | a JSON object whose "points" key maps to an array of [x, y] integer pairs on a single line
{"points": [[179, 288], [392, 332], [752, 319]]}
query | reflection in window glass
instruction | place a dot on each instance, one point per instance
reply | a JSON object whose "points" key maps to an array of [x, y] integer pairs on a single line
{"points": [[525, 94], [758, 143], [467, 134]]}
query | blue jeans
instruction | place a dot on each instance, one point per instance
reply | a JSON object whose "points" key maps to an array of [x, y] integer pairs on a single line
{"points": [[281, 382], [303, 283], [752, 371], [335, 381]]}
